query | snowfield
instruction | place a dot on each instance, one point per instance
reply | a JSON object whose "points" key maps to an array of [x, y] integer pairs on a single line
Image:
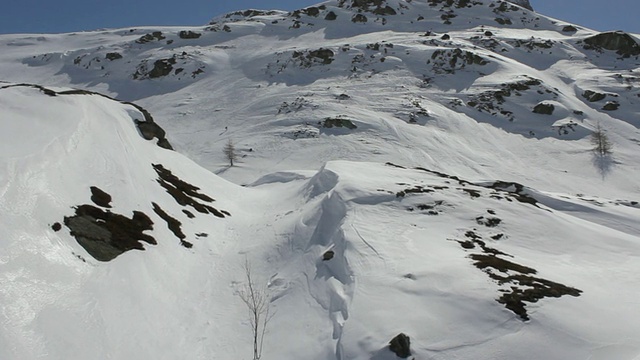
{"points": [[403, 167]]}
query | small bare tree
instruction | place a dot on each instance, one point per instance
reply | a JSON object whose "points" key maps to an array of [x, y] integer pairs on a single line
{"points": [[230, 152], [600, 141], [257, 300]]}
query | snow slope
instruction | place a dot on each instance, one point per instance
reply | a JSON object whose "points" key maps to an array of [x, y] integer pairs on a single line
{"points": [[403, 147]]}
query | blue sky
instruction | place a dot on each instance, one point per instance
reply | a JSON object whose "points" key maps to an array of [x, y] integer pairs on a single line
{"points": [[50, 16]]}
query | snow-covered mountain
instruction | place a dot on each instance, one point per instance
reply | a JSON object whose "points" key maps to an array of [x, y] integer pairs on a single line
{"points": [[403, 167]]}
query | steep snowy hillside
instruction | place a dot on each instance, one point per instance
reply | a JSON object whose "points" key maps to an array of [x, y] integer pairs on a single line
{"points": [[424, 168]]}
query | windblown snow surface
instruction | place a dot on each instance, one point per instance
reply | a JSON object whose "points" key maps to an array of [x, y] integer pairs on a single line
{"points": [[392, 177]]}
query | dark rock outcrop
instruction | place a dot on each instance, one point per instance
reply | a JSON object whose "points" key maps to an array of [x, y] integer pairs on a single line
{"points": [[331, 16], [100, 197], [401, 346], [153, 36], [113, 56], [593, 96], [544, 108], [620, 42], [611, 106], [106, 235], [188, 34]]}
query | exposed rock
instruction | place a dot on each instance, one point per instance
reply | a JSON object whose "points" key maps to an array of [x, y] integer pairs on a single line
{"points": [[106, 235], [100, 197], [325, 54], [569, 28], [387, 10], [524, 3], [174, 225], [502, 21], [154, 36], [150, 130], [401, 346], [611, 106], [337, 122], [359, 18], [617, 41], [188, 34], [331, 16], [56, 226], [544, 108], [328, 255], [113, 56], [186, 194], [593, 96], [319, 56], [161, 68]]}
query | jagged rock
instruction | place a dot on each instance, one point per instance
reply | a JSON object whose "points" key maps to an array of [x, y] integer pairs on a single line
{"points": [[544, 108], [617, 41], [569, 28], [401, 346]]}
